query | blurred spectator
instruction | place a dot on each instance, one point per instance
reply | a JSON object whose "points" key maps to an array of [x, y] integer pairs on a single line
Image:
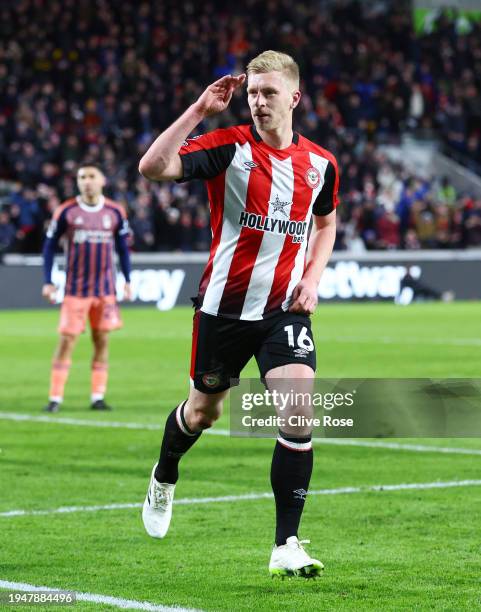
{"points": [[7, 232], [411, 241], [388, 233], [446, 192], [472, 224], [424, 222], [143, 230]]}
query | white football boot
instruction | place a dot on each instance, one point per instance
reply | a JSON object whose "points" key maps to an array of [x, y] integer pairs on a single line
{"points": [[291, 559], [157, 510]]}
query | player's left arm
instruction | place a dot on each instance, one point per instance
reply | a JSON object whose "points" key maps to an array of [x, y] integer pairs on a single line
{"points": [[122, 233], [57, 227], [321, 243]]}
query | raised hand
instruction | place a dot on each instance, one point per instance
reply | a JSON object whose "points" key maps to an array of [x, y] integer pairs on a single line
{"points": [[217, 96]]}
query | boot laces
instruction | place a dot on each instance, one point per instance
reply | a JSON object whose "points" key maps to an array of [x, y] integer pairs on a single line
{"points": [[162, 497]]}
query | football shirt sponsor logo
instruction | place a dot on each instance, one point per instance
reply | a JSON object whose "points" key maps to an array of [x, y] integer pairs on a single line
{"points": [[94, 236], [296, 229]]}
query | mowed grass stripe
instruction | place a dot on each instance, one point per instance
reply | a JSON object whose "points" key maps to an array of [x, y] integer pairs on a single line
{"points": [[390, 552], [13, 416], [417, 486]]}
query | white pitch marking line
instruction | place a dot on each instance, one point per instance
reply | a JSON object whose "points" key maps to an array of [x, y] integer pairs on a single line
{"points": [[425, 448], [118, 602], [14, 416], [419, 486]]}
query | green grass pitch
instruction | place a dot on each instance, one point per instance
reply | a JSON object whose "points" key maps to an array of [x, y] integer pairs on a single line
{"points": [[389, 550]]}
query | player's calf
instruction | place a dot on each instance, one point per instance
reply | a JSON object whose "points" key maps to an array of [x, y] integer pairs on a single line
{"points": [[178, 438]]}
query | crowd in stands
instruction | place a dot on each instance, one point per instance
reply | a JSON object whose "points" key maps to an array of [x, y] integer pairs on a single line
{"points": [[96, 80]]}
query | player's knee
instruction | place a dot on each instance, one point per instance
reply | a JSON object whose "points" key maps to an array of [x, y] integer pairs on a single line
{"points": [[67, 342], [203, 414], [202, 421], [99, 337]]}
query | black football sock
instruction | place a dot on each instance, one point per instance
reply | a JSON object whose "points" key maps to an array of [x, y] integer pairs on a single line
{"points": [[176, 441], [290, 475]]}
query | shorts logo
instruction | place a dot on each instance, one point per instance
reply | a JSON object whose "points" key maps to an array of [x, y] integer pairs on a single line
{"points": [[211, 380], [301, 352], [312, 177]]}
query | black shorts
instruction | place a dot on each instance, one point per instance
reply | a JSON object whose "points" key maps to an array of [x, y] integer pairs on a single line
{"points": [[222, 347]]}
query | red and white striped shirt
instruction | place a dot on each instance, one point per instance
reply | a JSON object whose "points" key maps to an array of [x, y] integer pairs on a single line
{"points": [[261, 201]]}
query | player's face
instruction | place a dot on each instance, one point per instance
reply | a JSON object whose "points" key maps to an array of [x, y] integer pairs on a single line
{"points": [[90, 182], [271, 99]]}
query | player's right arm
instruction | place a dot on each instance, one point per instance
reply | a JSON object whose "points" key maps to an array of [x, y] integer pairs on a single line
{"points": [[57, 227], [162, 161]]}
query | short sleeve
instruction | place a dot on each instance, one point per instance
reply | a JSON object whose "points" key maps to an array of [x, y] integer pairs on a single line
{"points": [[206, 156], [327, 200]]}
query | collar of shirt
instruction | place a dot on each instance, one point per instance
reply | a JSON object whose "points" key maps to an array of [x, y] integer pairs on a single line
{"points": [[257, 137], [88, 207]]}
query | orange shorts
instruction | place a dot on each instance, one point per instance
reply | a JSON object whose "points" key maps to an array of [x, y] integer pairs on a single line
{"points": [[103, 314]]}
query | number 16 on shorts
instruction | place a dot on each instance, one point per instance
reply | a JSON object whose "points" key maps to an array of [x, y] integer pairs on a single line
{"points": [[302, 344]]}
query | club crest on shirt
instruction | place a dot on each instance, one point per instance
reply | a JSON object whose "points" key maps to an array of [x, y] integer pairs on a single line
{"points": [[312, 177], [106, 222]]}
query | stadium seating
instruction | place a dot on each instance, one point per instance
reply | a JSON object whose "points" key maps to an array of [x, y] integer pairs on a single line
{"points": [[88, 81]]}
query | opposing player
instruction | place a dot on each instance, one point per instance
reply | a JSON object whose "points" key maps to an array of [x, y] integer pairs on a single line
{"points": [[91, 225], [259, 287]]}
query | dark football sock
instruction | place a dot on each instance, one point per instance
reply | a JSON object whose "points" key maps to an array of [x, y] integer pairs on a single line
{"points": [[176, 442], [290, 475]]}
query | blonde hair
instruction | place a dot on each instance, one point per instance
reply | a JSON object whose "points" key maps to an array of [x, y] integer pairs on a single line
{"points": [[275, 60]]}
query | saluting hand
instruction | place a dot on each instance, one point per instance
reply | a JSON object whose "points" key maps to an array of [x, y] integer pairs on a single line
{"points": [[217, 96]]}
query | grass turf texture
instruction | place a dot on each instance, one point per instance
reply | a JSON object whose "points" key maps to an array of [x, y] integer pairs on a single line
{"points": [[400, 550]]}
